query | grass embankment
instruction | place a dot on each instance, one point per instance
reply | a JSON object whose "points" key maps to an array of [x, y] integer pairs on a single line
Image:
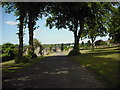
{"points": [[10, 67], [103, 63]]}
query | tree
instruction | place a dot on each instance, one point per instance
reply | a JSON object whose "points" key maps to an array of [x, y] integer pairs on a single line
{"points": [[62, 47], [94, 30], [98, 26], [51, 46], [20, 10], [22, 14], [27, 13], [74, 16], [69, 15], [88, 43], [82, 43], [114, 24], [35, 11], [36, 43]]}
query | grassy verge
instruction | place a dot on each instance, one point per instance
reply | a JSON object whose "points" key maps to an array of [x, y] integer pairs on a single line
{"points": [[10, 67], [103, 63]]}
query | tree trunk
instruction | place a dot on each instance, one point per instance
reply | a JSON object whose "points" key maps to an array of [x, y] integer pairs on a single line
{"points": [[75, 50], [76, 38], [92, 39], [81, 30], [76, 42], [21, 36], [31, 29]]}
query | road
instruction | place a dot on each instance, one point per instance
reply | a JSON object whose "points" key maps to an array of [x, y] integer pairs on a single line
{"points": [[57, 71]]}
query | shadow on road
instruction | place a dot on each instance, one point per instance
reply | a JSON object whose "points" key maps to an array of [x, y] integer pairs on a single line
{"points": [[53, 72]]}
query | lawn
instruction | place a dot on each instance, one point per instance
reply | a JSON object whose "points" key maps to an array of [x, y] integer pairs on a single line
{"points": [[103, 63], [10, 67]]}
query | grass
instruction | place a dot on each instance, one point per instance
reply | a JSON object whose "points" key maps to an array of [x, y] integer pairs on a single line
{"points": [[10, 67], [103, 63]]}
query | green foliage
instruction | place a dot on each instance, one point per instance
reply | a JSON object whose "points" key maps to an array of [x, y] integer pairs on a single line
{"points": [[88, 43], [114, 25], [74, 52], [36, 43], [8, 51], [66, 47], [62, 47], [5, 57], [31, 54], [24, 59], [50, 47], [91, 18]]}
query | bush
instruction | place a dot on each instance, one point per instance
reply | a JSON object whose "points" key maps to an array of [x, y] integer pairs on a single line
{"points": [[74, 52], [8, 52], [5, 57], [31, 54], [23, 59]]}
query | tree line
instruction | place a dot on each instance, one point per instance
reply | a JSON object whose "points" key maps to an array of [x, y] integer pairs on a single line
{"points": [[84, 19]]}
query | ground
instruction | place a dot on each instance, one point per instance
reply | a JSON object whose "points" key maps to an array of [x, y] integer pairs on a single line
{"points": [[57, 71]]}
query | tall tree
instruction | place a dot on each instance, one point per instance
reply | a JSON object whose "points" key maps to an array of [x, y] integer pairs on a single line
{"points": [[114, 24], [36, 43], [22, 14], [19, 10], [74, 16], [94, 29], [35, 11], [69, 15]]}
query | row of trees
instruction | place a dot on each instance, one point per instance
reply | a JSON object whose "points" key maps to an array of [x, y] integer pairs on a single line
{"points": [[84, 19]]}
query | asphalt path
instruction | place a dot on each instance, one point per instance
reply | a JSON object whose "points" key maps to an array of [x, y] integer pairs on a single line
{"points": [[57, 71]]}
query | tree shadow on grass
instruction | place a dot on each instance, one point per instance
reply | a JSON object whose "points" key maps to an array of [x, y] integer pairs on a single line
{"points": [[104, 68], [101, 52]]}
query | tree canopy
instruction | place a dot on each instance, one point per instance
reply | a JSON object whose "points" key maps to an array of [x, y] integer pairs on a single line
{"points": [[84, 19]]}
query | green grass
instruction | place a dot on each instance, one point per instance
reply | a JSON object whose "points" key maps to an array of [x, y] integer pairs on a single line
{"points": [[10, 67], [103, 63]]}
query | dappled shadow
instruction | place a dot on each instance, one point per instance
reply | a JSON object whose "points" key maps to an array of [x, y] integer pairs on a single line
{"points": [[106, 69], [101, 52], [53, 72]]}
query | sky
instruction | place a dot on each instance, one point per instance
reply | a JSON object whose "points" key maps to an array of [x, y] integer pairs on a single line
{"points": [[8, 30]]}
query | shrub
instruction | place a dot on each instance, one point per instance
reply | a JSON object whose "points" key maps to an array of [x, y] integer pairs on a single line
{"points": [[8, 51], [31, 54], [5, 57], [23, 59]]}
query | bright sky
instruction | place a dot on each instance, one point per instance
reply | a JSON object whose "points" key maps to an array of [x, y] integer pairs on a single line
{"points": [[43, 34]]}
